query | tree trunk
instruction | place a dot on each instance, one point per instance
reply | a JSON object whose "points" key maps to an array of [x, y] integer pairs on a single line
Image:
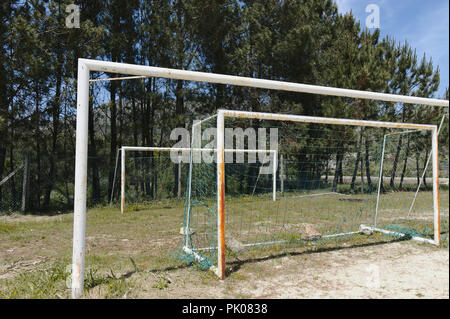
{"points": [[336, 171], [96, 195], [135, 142], [2, 168], [405, 163], [121, 115], [417, 170], [424, 167], [55, 131], [341, 172], [179, 110], [155, 179], [38, 151], [394, 167], [12, 183], [3, 103], [367, 160], [358, 159], [113, 143]]}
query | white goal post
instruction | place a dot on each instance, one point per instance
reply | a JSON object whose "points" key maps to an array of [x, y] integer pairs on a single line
{"points": [[124, 149], [85, 66]]}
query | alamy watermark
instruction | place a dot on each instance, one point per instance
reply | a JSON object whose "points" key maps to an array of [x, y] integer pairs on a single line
{"points": [[248, 145], [73, 17], [373, 19]]}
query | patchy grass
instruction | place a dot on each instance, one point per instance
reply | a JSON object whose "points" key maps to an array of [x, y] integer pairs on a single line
{"points": [[7, 228], [132, 256], [49, 282]]}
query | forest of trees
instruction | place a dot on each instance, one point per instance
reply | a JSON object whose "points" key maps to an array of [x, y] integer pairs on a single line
{"points": [[303, 41]]}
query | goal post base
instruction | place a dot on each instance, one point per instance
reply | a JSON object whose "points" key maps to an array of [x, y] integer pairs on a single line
{"points": [[200, 259], [398, 234]]}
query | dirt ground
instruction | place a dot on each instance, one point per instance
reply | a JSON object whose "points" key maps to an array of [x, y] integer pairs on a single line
{"points": [[401, 270], [395, 270]]}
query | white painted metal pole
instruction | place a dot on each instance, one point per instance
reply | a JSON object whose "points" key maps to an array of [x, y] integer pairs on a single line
{"points": [[81, 152], [179, 177], [380, 181], [220, 195], [163, 149], [281, 174], [132, 69], [437, 229], [3, 181], [274, 175], [324, 120], [122, 181]]}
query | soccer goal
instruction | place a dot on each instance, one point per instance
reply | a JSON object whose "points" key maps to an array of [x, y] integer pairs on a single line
{"points": [[335, 195], [160, 175], [150, 173], [222, 210]]}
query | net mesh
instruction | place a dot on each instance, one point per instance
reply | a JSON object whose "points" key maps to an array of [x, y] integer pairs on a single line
{"points": [[151, 177], [327, 181], [11, 190]]}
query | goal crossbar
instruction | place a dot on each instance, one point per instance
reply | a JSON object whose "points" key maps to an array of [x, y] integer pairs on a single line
{"points": [[176, 74]]}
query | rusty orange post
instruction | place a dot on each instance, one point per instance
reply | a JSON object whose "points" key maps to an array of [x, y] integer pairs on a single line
{"points": [[220, 196]]}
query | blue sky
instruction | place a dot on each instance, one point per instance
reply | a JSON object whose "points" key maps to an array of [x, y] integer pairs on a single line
{"points": [[424, 24]]}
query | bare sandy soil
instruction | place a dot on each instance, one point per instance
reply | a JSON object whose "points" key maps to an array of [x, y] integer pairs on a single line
{"points": [[395, 270]]}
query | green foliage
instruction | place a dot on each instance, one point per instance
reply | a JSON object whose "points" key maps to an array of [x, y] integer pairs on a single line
{"points": [[304, 41]]}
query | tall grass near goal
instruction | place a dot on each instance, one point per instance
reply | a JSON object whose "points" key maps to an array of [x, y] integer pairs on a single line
{"points": [[328, 173]]}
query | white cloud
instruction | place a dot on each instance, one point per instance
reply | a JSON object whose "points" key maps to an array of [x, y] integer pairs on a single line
{"points": [[345, 6]]}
